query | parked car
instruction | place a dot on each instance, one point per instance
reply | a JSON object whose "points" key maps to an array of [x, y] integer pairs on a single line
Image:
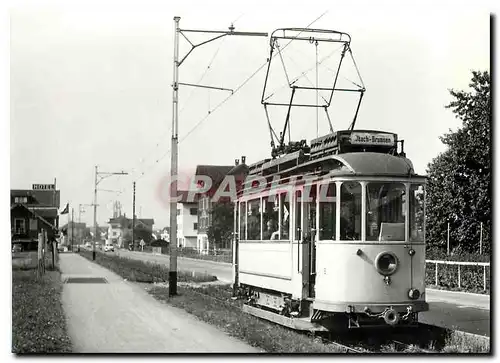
{"points": [[17, 248], [109, 247]]}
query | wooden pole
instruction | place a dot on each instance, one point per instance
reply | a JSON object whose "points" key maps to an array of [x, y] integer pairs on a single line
{"points": [[39, 256]]}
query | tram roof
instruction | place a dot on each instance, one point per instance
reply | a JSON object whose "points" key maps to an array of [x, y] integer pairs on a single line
{"points": [[370, 163]]}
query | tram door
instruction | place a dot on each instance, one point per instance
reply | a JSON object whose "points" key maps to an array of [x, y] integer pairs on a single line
{"points": [[310, 230]]}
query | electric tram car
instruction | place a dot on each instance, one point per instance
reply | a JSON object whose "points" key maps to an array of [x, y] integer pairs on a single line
{"points": [[333, 234]]}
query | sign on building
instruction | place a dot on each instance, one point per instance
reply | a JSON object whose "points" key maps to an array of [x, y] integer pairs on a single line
{"points": [[44, 187]]}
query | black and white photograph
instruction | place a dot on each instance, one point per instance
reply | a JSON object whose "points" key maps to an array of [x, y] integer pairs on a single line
{"points": [[255, 178]]}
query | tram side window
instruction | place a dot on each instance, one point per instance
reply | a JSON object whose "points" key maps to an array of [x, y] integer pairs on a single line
{"points": [[243, 221], [350, 211], [253, 220], [327, 211], [270, 217], [385, 203], [417, 217], [285, 216]]}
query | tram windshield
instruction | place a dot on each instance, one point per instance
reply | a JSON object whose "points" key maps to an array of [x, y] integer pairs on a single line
{"points": [[385, 211]]}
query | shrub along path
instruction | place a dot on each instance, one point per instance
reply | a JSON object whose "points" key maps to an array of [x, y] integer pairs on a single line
{"points": [[120, 317]]}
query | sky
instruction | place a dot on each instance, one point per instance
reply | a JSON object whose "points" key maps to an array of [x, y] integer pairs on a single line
{"points": [[90, 84]]}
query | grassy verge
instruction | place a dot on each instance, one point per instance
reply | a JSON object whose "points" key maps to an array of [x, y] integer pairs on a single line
{"points": [[459, 342], [38, 321], [140, 271], [227, 316]]}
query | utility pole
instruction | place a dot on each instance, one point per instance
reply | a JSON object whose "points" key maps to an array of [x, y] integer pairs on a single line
{"points": [[133, 220], [72, 227], [172, 276], [103, 175]]}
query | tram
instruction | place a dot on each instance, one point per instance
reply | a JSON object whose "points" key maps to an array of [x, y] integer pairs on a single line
{"points": [[331, 234]]}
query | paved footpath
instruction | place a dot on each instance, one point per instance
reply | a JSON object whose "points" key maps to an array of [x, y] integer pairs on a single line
{"points": [[120, 317]]}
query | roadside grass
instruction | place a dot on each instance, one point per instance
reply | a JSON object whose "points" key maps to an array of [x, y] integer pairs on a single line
{"points": [[141, 271], [38, 320], [459, 342], [219, 310]]}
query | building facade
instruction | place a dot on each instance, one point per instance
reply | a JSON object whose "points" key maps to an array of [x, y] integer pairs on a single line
{"points": [[31, 211], [216, 173], [187, 220], [120, 230]]}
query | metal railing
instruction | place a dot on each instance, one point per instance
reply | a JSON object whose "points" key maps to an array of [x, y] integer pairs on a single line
{"points": [[459, 264]]}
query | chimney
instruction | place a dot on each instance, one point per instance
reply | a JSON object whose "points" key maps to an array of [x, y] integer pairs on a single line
{"points": [[236, 162], [243, 159]]}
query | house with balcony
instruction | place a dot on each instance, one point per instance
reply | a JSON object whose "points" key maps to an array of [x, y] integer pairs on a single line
{"points": [[216, 173], [32, 210], [120, 230]]}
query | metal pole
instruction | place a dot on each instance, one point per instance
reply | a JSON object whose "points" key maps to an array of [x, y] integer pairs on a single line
{"points": [[484, 277], [448, 239], [172, 276], [133, 220], [72, 227], [235, 251], [95, 215], [436, 274], [481, 240]]}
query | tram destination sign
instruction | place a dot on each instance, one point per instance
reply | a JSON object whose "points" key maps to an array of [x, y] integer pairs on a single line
{"points": [[370, 138], [44, 187]]}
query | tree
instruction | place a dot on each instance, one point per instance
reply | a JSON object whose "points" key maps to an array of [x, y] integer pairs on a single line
{"points": [[459, 189], [220, 231]]}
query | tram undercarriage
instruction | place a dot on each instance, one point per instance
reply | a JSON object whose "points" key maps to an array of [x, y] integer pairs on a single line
{"points": [[280, 308]]}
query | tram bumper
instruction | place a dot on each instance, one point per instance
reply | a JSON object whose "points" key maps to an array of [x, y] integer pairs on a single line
{"points": [[375, 308]]}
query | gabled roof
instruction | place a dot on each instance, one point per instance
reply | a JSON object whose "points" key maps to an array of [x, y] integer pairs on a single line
{"points": [[41, 198], [216, 173], [34, 213], [184, 197]]}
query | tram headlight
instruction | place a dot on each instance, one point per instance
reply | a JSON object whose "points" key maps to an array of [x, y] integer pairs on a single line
{"points": [[413, 294], [386, 263]]}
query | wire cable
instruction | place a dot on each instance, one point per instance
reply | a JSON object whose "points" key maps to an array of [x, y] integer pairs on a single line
{"points": [[225, 100]]}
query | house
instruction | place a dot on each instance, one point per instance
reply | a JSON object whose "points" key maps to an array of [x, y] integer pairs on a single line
{"points": [[120, 230], [32, 210], [187, 220], [216, 173]]}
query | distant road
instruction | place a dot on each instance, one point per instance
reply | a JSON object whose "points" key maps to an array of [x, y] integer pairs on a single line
{"points": [[449, 314]]}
